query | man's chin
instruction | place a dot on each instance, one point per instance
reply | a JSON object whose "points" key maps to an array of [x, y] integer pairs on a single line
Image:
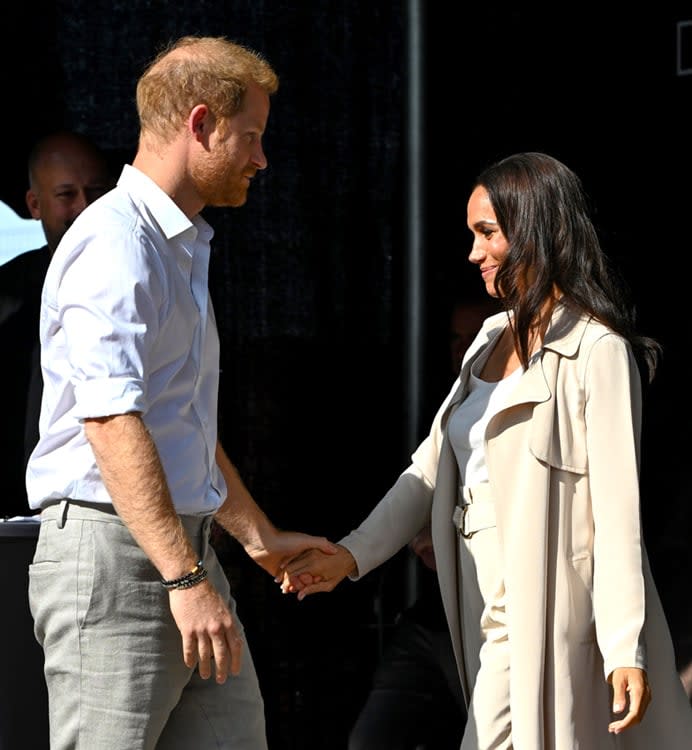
{"points": [[232, 201], [227, 203]]}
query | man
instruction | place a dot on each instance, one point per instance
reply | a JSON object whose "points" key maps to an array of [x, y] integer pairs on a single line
{"points": [[66, 173], [129, 600]]}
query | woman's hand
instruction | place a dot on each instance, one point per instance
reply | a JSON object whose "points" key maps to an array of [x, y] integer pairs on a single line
{"points": [[631, 693], [314, 571], [277, 548]]}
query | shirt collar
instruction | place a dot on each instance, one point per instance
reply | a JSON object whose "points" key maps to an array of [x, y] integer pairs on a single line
{"points": [[164, 211]]}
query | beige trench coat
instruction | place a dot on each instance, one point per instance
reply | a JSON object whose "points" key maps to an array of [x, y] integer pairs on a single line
{"points": [[563, 462]]}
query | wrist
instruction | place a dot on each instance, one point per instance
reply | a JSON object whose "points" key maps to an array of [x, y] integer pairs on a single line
{"points": [[198, 574], [351, 564]]}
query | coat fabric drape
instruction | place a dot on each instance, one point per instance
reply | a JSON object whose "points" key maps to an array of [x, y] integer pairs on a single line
{"points": [[563, 463]]}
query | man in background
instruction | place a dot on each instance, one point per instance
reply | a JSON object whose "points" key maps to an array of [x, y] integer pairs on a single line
{"points": [[67, 171]]}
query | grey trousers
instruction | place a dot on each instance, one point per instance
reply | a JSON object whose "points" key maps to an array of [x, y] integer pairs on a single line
{"points": [[113, 654]]}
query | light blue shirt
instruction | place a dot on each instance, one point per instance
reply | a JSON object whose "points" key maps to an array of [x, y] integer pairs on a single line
{"points": [[127, 325]]}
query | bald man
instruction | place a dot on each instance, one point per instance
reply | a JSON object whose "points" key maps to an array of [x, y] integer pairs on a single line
{"points": [[67, 172]]}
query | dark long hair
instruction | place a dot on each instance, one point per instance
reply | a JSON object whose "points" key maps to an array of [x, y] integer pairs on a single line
{"points": [[543, 211]]}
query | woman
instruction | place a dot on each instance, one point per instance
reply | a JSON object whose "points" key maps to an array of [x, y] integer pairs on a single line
{"points": [[530, 479]]}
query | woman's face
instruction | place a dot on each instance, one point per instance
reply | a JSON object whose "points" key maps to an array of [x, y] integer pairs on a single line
{"points": [[490, 246]]}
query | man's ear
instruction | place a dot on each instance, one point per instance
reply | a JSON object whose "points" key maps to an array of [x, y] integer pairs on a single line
{"points": [[200, 122], [33, 204]]}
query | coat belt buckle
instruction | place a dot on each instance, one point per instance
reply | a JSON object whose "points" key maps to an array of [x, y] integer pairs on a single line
{"points": [[460, 520], [462, 525]]}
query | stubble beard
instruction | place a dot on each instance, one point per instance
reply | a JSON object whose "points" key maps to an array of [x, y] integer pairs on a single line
{"points": [[218, 187]]}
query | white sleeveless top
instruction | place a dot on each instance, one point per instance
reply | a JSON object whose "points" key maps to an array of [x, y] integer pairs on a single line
{"points": [[467, 424]]}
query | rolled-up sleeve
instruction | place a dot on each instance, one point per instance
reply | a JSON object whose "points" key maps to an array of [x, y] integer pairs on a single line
{"points": [[109, 325]]}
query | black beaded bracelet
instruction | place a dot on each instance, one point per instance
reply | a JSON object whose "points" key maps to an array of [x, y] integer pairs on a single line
{"points": [[195, 576]]}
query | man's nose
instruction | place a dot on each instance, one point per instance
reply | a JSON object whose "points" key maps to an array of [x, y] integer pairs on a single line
{"points": [[80, 202], [259, 158]]}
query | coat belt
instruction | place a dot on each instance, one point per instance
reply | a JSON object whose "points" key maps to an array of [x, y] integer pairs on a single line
{"points": [[476, 510]]}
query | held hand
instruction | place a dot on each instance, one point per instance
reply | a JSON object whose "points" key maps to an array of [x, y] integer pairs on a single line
{"points": [[686, 677], [422, 545], [315, 571], [287, 545], [208, 631], [631, 693]]}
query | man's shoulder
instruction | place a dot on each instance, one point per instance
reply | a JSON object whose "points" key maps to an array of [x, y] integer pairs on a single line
{"points": [[24, 272], [119, 210], [21, 280], [26, 262]]}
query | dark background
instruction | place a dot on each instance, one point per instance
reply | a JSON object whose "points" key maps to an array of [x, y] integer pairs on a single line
{"points": [[311, 279]]}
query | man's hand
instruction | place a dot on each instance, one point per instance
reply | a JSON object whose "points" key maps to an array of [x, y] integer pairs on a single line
{"points": [[208, 631], [631, 693], [278, 547], [315, 571]]}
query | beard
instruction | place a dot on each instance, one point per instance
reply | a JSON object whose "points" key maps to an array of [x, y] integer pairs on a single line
{"points": [[219, 183]]}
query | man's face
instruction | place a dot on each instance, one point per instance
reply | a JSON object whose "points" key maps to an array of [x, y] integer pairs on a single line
{"points": [[222, 175], [65, 183]]}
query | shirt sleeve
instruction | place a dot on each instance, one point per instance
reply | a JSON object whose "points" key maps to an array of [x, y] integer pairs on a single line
{"points": [[108, 300]]}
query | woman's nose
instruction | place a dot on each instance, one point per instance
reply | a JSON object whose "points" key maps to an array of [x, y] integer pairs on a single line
{"points": [[477, 253]]}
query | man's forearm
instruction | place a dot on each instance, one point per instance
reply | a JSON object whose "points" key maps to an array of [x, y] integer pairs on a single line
{"points": [[240, 515], [133, 475]]}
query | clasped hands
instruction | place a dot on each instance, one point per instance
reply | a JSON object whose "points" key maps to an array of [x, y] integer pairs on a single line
{"points": [[322, 569], [315, 570]]}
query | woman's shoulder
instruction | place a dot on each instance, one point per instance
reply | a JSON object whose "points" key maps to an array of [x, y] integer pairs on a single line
{"points": [[601, 347], [575, 334], [595, 331]]}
